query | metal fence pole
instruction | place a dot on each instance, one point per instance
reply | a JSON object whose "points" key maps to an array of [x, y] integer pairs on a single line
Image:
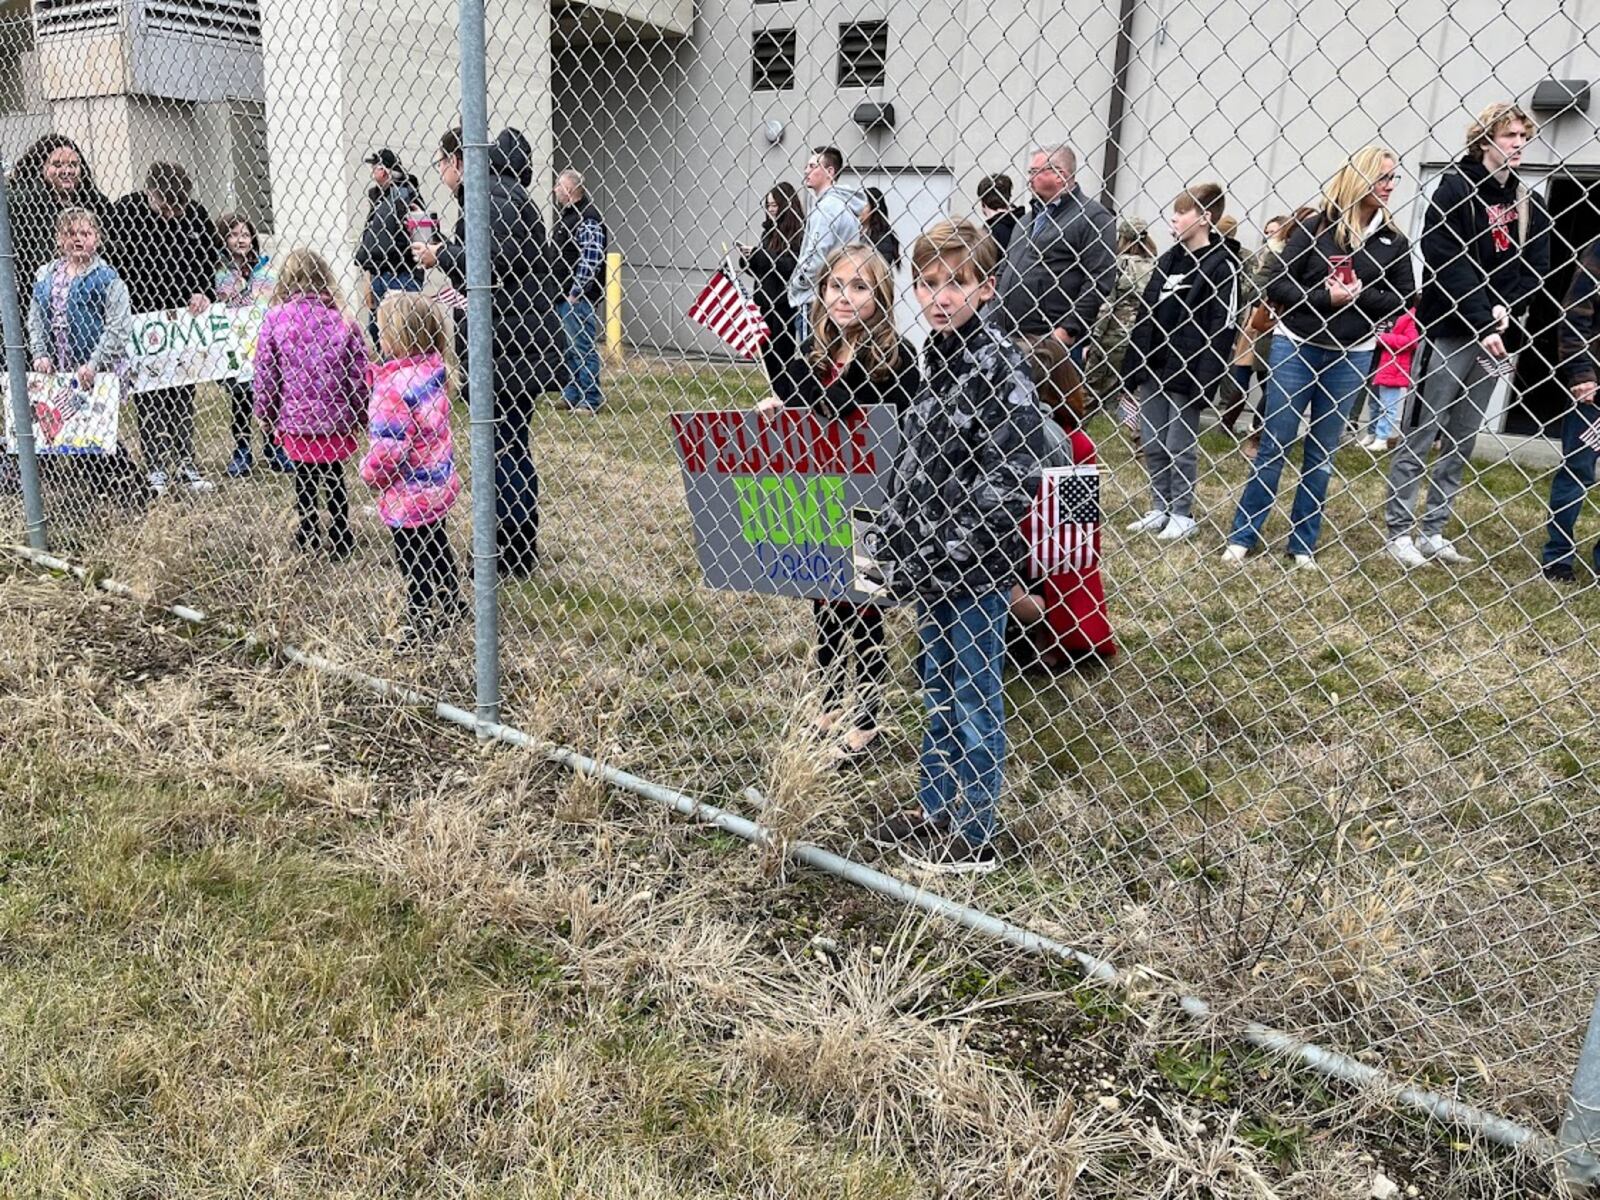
{"points": [[480, 360], [17, 375], [1580, 1129]]}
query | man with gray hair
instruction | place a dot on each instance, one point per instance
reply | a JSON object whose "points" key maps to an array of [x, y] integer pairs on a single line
{"points": [[580, 246], [1062, 260]]}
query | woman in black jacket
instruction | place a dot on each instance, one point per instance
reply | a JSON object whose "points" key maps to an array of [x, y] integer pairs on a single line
{"points": [[994, 198], [771, 262], [1345, 272], [525, 340], [50, 177], [856, 359], [876, 230]]}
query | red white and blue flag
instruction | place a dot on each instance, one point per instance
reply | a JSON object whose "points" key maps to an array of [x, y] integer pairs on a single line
{"points": [[1063, 524], [724, 309]]}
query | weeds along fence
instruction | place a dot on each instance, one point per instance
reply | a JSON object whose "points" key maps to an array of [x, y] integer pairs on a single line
{"points": [[1353, 796]]}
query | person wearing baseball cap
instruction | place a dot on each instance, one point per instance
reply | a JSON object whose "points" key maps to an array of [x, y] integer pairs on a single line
{"points": [[385, 249]]}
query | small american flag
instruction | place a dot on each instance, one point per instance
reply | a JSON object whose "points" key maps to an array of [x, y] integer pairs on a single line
{"points": [[1590, 437], [724, 309], [1063, 525], [451, 299], [1130, 412]]}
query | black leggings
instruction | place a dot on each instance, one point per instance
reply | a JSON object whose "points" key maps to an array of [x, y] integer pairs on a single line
{"points": [[429, 564], [328, 478], [851, 635]]}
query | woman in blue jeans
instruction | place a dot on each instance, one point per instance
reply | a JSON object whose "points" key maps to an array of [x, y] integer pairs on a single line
{"points": [[1345, 272]]}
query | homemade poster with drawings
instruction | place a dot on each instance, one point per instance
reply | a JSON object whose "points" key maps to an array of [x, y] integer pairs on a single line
{"points": [[772, 498], [67, 419], [176, 348]]}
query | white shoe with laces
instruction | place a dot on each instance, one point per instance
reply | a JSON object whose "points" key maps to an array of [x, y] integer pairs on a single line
{"points": [[158, 482], [1442, 548], [1404, 551], [1149, 523], [1177, 528], [1305, 562], [1235, 554], [196, 482]]}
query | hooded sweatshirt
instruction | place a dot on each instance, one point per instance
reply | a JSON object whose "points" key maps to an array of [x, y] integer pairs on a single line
{"points": [[1474, 252], [835, 221]]}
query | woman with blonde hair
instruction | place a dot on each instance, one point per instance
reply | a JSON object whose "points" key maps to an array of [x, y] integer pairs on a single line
{"points": [[1345, 271]]}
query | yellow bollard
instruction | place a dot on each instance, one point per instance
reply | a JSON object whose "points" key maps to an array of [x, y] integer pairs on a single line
{"points": [[614, 308]]}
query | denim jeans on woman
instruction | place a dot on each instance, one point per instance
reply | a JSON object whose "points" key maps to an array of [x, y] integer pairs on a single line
{"points": [[1302, 378], [1571, 483], [964, 749]]}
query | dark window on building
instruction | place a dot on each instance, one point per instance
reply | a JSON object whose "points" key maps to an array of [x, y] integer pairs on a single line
{"points": [[772, 60], [864, 54]]}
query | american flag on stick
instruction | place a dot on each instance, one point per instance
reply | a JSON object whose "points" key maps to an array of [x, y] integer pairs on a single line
{"points": [[1063, 524], [1590, 437], [724, 309], [1130, 412]]}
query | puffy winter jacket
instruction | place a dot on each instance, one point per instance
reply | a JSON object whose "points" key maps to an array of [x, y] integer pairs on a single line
{"points": [[971, 451], [1396, 348], [385, 247], [1299, 291], [98, 318], [310, 369], [411, 464]]}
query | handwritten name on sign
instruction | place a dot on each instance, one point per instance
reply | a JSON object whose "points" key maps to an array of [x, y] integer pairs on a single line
{"points": [[771, 498]]}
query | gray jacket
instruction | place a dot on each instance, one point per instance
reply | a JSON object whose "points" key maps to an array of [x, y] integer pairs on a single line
{"points": [[835, 221], [1059, 278]]}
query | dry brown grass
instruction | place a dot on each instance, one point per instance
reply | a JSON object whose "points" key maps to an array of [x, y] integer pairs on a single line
{"points": [[1358, 804], [262, 934]]}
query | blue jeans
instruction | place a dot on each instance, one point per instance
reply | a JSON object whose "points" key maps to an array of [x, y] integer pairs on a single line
{"points": [[1300, 376], [963, 653], [382, 285], [1574, 477], [580, 325], [1386, 411]]}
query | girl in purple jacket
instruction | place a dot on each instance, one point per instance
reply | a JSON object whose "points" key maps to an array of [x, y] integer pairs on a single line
{"points": [[310, 392]]}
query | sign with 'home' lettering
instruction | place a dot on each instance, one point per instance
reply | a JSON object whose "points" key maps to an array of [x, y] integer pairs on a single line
{"points": [[771, 496], [171, 349]]}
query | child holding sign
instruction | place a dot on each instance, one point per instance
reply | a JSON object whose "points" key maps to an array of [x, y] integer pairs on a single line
{"points": [[412, 462], [950, 538], [855, 359]]}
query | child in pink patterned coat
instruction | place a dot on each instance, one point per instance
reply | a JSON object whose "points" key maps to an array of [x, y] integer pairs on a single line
{"points": [[411, 464]]}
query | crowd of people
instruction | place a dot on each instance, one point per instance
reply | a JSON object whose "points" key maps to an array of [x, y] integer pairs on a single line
{"points": [[1327, 311], [1020, 304], [318, 378]]}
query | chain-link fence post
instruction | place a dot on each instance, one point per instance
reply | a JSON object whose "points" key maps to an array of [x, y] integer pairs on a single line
{"points": [[480, 361], [1580, 1129], [17, 376]]}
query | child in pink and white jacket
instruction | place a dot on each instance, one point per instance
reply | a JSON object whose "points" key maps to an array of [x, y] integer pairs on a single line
{"points": [[411, 464], [310, 383], [1392, 380]]}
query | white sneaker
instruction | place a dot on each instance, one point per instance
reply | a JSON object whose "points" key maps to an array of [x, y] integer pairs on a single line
{"points": [[196, 482], [1177, 528], [1375, 445], [1304, 562], [158, 482], [1149, 523], [1235, 554], [1404, 551], [1440, 547]]}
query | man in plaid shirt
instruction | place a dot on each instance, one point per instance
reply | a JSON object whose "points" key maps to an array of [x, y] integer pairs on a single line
{"points": [[580, 244]]}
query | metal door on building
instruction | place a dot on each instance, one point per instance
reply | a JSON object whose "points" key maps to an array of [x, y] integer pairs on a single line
{"points": [[915, 199]]}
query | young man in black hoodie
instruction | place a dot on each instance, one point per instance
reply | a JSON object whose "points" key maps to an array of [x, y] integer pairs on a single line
{"points": [[1486, 248], [1178, 354]]}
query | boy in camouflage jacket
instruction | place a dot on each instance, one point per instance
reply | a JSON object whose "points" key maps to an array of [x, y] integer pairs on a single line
{"points": [[972, 444]]}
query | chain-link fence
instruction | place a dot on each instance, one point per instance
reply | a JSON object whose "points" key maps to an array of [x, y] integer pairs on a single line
{"points": [[1331, 759]]}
